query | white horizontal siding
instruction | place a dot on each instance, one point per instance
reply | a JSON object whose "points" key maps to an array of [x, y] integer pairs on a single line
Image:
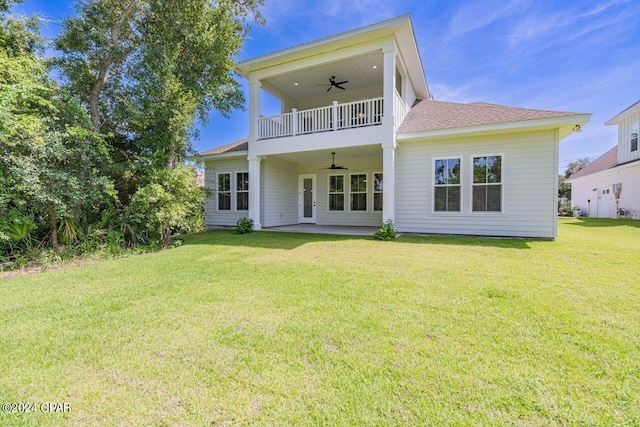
{"points": [[529, 185], [280, 192], [213, 217], [367, 165]]}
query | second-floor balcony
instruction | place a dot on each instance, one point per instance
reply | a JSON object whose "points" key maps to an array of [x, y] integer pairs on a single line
{"points": [[334, 117], [324, 119]]}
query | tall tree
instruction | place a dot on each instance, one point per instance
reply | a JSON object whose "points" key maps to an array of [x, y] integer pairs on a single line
{"points": [[45, 136]]}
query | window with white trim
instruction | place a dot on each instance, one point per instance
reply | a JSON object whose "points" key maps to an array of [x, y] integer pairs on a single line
{"points": [[633, 137], [377, 191], [336, 192], [242, 191], [446, 183], [487, 184], [358, 192], [224, 191]]}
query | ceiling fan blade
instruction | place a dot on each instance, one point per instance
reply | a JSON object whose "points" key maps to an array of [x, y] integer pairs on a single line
{"points": [[339, 83], [324, 85], [329, 88], [340, 87]]}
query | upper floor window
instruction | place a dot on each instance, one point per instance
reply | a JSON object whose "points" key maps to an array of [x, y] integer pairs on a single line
{"points": [[242, 191], [224, 191], [336, 192], [634, 136], [487, 184], [377, 192], [358, 192], [446, 181]]}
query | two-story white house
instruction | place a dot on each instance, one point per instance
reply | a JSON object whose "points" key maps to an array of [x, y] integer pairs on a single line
{"points": [[610, 186], [430, 166]]}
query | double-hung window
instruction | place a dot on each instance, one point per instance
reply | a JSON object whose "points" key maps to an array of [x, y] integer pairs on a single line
{"points": [[634, 137], [224, 191], [446, 185], [487, 184], [242, 191], [358, 192], [377, 192], [336, 192]]}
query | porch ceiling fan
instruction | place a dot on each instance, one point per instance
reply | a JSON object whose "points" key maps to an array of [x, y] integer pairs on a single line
{"points": [[333, 83], [333, 163]]}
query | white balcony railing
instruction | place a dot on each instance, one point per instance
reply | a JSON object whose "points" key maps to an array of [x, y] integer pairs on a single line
{"points": [[400, 109], [323, 119]]}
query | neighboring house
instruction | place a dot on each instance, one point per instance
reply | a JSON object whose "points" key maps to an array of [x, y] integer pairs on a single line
{"points": [[429, 166], [610, 186]]}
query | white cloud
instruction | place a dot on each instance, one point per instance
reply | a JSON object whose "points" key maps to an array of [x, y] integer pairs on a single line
{"points": [[473, 16]]}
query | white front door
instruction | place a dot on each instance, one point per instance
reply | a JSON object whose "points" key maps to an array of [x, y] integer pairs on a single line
{"points": [[307, 198], [604, 202]]}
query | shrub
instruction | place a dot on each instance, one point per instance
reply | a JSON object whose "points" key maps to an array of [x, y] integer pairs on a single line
{"points": [[387, 231], [244, 225]]}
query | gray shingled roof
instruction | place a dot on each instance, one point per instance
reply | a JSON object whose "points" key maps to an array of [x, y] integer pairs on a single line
{"points": [[241, 145], [438, 115]]}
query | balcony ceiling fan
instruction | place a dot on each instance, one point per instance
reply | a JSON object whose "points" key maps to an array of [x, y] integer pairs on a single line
{"points": [[333, 83], [333, 163]]}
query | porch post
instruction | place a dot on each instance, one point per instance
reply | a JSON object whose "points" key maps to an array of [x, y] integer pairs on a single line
{"points": [[254, 192], [389, 183], [389, 84], [254, 108], [294, 121], [334, 114]]}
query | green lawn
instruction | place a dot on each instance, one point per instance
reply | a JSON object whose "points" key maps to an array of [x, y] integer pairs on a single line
{"points": [[290, 329]]}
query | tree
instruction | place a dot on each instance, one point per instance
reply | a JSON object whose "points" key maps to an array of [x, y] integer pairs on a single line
{"points": [[147, 71], [45, 135]]}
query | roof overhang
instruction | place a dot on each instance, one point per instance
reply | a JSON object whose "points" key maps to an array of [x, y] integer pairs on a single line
{"points": [[624, 114], [566, 124], [226, 155], [400, 27], [616, 168]]}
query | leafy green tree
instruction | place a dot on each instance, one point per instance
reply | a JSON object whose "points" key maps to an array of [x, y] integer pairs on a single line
{"points": [[163, 212], [564, 188], [147, 71], [46, 137]]}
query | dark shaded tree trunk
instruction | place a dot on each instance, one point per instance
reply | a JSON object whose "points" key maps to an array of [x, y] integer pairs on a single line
{"points": [[54, 226]]}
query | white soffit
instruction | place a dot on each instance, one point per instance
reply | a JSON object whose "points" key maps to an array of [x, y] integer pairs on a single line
{"points": [[399, 27]]}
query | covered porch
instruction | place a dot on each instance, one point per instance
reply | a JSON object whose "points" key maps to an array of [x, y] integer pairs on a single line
{"points": [[314, 188]]}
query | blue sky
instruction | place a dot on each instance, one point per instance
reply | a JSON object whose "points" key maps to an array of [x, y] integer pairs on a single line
{"points": [[580, 56]]}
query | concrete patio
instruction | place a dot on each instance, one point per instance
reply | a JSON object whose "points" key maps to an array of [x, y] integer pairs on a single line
{"points": [[324, 229]]}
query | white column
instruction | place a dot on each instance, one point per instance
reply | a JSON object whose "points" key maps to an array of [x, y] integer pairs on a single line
{"points": [[389, 84], [388, 183], [294, 121], [254, 108], [334, 112], [254, 192]]}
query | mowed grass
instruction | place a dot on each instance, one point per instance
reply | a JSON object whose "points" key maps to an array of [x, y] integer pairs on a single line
{"points": [[293, 329]]}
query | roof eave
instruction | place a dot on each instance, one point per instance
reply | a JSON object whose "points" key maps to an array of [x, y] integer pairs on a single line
{"points": [[623, 114], [248, 65], [225, 155], [498, 127]]}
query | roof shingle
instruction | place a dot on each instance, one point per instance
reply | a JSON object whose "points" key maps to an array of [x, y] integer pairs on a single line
{"points": [[241, 145], [438, 115]]}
